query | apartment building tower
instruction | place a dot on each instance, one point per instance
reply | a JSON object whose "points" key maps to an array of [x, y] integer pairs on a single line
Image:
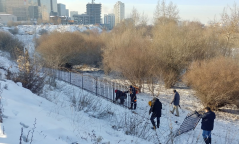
{"points": [[119, 11]]}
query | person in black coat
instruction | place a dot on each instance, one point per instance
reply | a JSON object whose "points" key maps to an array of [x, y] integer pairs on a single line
{"points": [[120, 95], [207, 124], [133, 97], [155, 109]]}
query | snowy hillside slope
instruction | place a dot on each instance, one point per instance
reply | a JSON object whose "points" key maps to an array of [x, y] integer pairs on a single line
{"points": [[56, 121], [102, 121]]}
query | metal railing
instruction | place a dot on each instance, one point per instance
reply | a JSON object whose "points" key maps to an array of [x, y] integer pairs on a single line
{"points": [[95, 85]]}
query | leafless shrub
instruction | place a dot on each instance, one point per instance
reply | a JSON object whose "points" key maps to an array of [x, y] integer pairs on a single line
{"points": [[140, 54], [215, 81], [9, 44], [75, 48], [14, 30], [178, 45], [129, 54], [30, 74], [83, 102]]}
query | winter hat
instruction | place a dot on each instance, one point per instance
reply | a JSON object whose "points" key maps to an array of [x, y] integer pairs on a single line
{"points": [[116, 91], [150, 103], [131, 86]]}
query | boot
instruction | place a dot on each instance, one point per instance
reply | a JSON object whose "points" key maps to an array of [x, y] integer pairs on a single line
{"points": [[158, 124], [135, 106], [206, 141], [154, 128], [210, 140]]}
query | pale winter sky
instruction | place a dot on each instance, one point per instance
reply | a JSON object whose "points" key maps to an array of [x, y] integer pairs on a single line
{"points": [[202, 10]]}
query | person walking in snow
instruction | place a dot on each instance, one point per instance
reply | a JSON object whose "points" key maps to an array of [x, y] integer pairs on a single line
{"points": [[133, 97], [175, 101], [207, 124], [155, 109]]}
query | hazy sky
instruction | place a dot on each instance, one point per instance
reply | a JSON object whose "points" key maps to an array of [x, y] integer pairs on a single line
{"points": [[202, 10]]}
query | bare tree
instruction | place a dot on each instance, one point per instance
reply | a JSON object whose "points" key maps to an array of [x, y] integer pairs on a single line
{"points": [[135, 16], [230, 25], [166, 12]]}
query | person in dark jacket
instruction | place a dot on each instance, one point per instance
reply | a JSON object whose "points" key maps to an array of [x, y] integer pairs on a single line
{"points": [[175, 102], [155, 109], [207, 124], [120, 95], [133, 97]]}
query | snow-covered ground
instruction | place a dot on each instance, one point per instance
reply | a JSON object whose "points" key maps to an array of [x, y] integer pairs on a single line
{"points": [[58, 119]]}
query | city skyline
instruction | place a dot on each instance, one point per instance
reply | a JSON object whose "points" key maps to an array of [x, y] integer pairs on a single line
{"points": [[201, 10]]}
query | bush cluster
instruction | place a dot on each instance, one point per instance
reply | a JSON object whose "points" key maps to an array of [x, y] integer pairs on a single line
{"points": [[9, 44], [74, 48], [29, 74], [216, 81]]}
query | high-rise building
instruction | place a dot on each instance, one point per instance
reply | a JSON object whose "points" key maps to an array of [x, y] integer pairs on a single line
{"points": [[18, 8], [53, 5], [119, 11], [67, 12], [73, 13], [110, 20], [53, 8], [34, 13], [94, 11], [2, 5], [26, 10], [61, 9], [82, 19]]}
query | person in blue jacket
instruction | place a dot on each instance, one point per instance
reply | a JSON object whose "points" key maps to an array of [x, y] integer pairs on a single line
{"points": [[207, 124], [175, 102]]}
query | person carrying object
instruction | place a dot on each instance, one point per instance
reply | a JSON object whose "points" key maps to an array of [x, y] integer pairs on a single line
{"points": [[175, 102], [207, 124], [155, 109]]}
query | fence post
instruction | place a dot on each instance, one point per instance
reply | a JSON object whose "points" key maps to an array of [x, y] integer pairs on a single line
{"points": [[96, 85], [82, 79], [70, 77], [113, 92], [143, 86]]}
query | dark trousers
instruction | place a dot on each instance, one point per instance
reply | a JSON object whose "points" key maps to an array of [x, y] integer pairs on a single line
{"points": [[122, 101], [152, 121], [207, 136], [133, 104]]}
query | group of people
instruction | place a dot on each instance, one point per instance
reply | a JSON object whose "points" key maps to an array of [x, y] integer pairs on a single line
{"points": [[208, 117], [122, 95]]}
